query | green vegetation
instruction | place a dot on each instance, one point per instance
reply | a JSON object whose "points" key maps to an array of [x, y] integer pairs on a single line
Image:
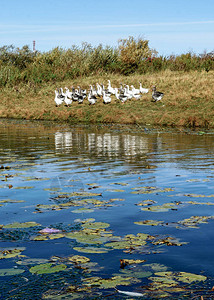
{"points": [[131, 56], [28, 80]]}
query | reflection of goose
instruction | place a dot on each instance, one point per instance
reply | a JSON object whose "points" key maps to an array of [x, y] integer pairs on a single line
{"points": [[157, 96]]}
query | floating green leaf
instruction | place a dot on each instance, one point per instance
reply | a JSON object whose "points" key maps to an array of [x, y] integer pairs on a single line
{"points": [[110, 282], [91, 250], [149, 222], [11, 272], [46, 237], [11, 201], [47, 268], [21, 225], [83, 210], [194, 221], [161, 208], [79, 259], [23, 187], [11, 252], [95, 225], [32, 261]]}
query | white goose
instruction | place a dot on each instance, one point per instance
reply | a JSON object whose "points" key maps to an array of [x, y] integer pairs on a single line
{"points": [[93, 91], [91, 98], [58, 98], [128, 93], [68, 101], [80, 96], [134, 90], [121, 97], [143, 90], [68, 93], [137, 96], [99, 90], [68, 97], [106, 98], [110, 88]]}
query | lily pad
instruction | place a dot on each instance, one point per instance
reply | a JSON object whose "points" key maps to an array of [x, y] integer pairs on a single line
{"points": [[79, 259], [83, 210], [160, 208], [194, 221], [149, 222], [91, 250], [23, 187], [11, 272], [22, 225], [46, 237], [47, 268], [11, 252], [95, 225], [32, 261], [11, 201], [108, 283]]}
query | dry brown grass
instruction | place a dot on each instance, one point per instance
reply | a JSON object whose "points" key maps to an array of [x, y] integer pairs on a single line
{"points": [[188, 101]]}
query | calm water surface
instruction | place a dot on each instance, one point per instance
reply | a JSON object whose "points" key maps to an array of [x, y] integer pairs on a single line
{"points": [[125, 178]]}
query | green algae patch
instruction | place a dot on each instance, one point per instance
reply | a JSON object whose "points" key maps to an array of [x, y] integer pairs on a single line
{"points": [[47, 268]]}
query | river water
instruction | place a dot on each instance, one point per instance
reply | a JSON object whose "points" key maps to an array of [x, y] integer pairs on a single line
{"points": [[135, 203]]}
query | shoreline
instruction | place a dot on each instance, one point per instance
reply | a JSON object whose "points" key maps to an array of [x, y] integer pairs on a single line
{"points": [[188, 102]]}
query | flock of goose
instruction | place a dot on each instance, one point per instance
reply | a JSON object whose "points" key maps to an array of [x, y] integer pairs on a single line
{"points": [[122, 94]]}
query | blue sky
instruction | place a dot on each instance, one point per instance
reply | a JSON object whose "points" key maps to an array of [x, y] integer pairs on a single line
{"points": [[171, 26]]}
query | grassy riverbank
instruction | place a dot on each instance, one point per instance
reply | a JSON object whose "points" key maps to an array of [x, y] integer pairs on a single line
{"points": [[188, 101]]}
